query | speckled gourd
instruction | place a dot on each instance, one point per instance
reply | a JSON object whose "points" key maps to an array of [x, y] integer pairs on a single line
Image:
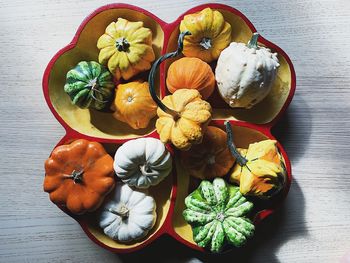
{"points": [[217, 213]]}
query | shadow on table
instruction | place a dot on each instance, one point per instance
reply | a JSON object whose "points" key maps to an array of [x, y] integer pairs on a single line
{"points": [[294, 129]]}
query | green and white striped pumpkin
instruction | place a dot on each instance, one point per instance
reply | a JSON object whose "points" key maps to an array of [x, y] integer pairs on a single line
{"points": [[89, 85], [217, 213]]}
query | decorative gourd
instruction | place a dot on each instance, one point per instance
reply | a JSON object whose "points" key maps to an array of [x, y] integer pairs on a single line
{"points": [[245, 73], [89, 85], [217, 213], [127, 215], [133, 104], [260, 170], [183, 116], [126, 47], [211, 158], [142, 162], [79, 175], [210, 34], [191, 73]]}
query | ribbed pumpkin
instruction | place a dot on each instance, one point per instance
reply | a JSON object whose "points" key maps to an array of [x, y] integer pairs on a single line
{"points": [[79, 175], [126, 47], [133, 104], [210, 34], [218, 213], [211, 158], [191, 73], [89, 85], [183, 116]]}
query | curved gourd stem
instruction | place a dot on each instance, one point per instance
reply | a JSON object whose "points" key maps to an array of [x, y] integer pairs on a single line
{"points": [[76, 176], [253, 42], [123, 212], [239, 158], [153, 70]]}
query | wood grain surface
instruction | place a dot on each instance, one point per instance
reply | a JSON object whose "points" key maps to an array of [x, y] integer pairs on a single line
{"points": [[314, 223]]}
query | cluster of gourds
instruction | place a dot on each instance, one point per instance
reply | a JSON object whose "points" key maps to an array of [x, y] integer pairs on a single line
{"points": [[125, 51], [80, 175]]}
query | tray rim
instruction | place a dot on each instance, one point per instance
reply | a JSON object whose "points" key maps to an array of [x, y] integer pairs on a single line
{"points": [[168, 28]]}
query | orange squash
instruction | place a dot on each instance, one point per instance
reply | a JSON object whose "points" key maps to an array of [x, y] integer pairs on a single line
{"points": [[79, 176], [134, 105], [211, 158], [191, 73]]}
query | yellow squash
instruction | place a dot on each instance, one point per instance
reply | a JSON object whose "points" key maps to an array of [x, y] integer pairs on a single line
{"points": [[126, 47], [188, 126], [264, 173], [210, 34], [133, 104]]}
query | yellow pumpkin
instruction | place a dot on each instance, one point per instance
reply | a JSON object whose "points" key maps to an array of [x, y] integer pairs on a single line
{"points": [[188, 126], [126, 47], [210, 34], [133, 104], [260, 170]]}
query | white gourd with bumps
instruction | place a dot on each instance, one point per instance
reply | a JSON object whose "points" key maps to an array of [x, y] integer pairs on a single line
{"points": [[245, 73]]}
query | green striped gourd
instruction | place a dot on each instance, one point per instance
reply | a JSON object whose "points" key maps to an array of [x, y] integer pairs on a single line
{"points": [[217, 213], [89, 85]]}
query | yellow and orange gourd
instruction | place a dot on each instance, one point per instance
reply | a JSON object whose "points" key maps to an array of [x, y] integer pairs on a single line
{"points": [[133, 104], [210, 34], [126, 48]]}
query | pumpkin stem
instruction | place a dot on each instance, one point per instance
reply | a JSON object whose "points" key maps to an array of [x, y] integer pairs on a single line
{"points": [[76, 176], [94, 88], [153, 70], [239, 158], [205, 43], [253, 42], [123, 212], [122, 44], [145, 169]]}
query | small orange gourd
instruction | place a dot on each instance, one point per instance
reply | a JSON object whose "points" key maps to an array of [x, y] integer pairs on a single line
{"points": [[133, 104], [191, 73], [211, 158], [79, 176]]}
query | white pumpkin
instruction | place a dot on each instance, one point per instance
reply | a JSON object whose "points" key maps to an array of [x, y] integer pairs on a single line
{"points": [[142, 162], [245, 73], [128, 214]]}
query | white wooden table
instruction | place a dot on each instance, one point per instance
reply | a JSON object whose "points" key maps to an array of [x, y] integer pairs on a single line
{"points": [[314, 224]]}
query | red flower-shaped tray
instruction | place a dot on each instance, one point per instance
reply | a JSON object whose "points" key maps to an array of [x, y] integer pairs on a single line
{"points": [[248, 125]]}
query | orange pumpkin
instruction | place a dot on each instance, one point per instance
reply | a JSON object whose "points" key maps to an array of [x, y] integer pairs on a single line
{"points": [[133, 104], [211, 158], [191, 73], [79, 176]]}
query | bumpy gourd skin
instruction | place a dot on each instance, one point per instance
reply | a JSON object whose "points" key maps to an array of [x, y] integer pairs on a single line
{"points": [[126, 47], [89, 85], [216, 212], [210, 34], [264, 174], [245, 75], [189, 127]]}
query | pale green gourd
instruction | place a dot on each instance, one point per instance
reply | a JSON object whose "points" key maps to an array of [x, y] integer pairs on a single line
{"points": [[217, 213]]}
